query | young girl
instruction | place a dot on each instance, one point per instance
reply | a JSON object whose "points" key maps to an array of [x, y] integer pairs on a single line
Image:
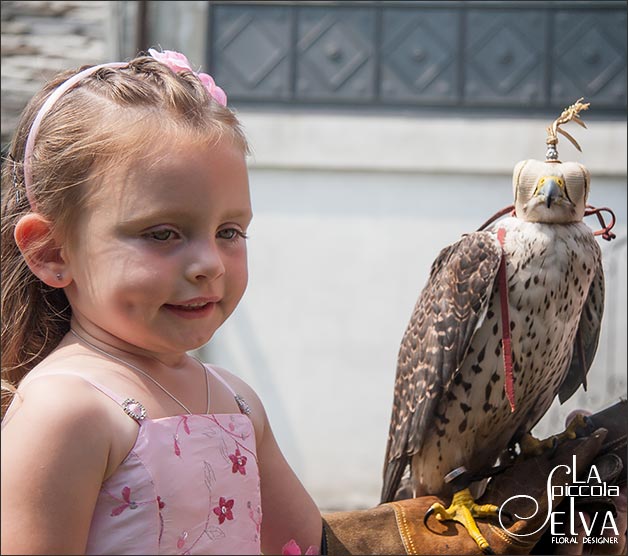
{"points": [[126, 206]]}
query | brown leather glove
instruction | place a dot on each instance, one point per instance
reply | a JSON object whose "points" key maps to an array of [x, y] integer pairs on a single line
{"points": [[397, 527]]}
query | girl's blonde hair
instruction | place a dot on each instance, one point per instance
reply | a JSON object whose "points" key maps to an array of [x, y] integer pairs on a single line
{"points": [[99, 124]]}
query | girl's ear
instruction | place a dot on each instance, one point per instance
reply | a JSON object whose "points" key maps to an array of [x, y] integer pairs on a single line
{"points": [[42, 253]]}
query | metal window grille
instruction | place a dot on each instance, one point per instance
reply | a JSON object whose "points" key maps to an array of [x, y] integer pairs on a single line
{"points": [[470, 56]]}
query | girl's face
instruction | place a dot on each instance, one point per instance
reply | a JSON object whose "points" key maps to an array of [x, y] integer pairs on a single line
{"points": [[158, 262]]}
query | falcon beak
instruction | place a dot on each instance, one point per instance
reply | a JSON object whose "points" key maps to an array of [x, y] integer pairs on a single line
{"points": [[551, 189]]}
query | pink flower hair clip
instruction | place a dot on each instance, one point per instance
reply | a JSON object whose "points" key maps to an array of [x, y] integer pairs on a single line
{"points": [[178, 62]]}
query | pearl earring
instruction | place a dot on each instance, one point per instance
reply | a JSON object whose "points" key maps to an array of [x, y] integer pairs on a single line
{"points": [[59, 276]]}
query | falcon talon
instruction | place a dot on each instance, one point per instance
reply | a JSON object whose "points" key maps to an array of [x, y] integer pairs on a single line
{"points": [[508, 516], [580, 426], [427, 516], [463, 510]]}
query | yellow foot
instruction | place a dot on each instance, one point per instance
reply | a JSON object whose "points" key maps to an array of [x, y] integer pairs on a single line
{"points": [[531, 446], [464, 510]]}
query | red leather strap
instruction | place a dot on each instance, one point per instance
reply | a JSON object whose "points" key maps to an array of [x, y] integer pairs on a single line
{"points": [[509, 384]]}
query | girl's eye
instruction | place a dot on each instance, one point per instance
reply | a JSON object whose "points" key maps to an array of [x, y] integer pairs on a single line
{"points": [[231, 234], [161, 235]]}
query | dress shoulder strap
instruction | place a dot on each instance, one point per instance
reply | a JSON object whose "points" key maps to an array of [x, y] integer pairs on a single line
{"points": [[242, 405], [217, 376]]}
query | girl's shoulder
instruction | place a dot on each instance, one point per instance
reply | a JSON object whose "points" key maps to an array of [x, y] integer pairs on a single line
{"points": [[57, 446], [55, 402], [56, 395], [53, 413], [60, 399]]}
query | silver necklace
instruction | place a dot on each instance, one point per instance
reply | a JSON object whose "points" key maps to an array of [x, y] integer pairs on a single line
{"points": [[144, 373]]}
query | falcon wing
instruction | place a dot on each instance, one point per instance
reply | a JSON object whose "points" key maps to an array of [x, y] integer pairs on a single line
{"points": [[451, 307], [587, 338]]}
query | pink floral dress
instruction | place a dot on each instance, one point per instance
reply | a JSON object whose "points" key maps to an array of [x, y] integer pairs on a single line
{"points": [[190, 485]]}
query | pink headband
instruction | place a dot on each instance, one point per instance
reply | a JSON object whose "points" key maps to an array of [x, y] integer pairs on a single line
{"points": [[176, 61]]}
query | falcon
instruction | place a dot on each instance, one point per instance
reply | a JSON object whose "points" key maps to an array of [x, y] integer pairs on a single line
{"points": [[486, 350]]}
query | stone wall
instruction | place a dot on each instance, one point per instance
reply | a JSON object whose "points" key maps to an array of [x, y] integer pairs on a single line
{"points": [[42, 38]]}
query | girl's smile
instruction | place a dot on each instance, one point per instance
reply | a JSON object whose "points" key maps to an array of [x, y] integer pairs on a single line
{"points": [[193, 309]]}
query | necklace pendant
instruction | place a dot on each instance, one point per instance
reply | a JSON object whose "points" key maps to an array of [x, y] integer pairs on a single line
{"points": [[134, 409], [244, 407]]}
